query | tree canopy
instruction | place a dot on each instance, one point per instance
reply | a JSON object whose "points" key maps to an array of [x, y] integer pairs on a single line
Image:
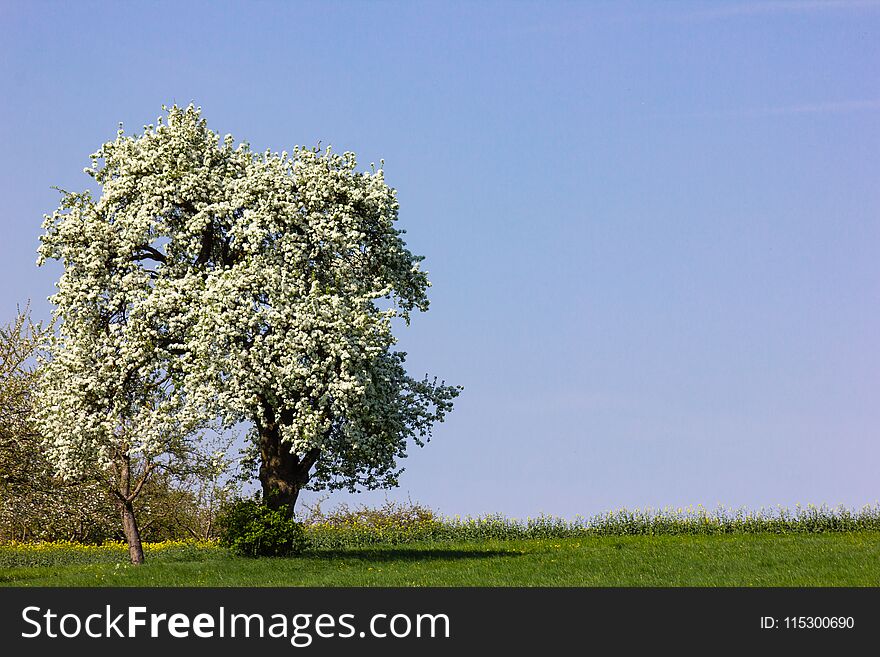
{"points": [[208, 281]]}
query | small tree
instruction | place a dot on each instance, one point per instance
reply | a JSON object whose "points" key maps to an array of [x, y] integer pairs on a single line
{"points": [[209, 281], [19, 343], [106, 405], [180, 499], [34, 503]]}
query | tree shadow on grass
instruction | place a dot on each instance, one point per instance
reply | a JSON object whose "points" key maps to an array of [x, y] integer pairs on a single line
{"points": [[407, 554]]}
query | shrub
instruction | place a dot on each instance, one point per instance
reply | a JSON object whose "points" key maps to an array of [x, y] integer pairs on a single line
{"points": [[391, 524], [253, 530], [397, 515]]}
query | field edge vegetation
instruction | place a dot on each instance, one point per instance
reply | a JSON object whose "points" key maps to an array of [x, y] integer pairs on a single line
{"points": [[400, 524]]}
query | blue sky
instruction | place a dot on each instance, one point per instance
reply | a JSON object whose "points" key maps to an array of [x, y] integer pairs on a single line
{"points": [[653, 228]]}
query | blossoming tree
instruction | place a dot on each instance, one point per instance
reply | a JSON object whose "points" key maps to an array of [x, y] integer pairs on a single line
{"points": [[106, 404], [209, 281]]}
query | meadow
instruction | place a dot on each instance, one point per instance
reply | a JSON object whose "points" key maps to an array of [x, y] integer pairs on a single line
{"points": [[807, 547]]}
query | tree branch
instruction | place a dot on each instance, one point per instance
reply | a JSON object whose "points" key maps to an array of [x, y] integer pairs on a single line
{"points": [[207, 246], [149, 253], [306, 464], [140, 484]]}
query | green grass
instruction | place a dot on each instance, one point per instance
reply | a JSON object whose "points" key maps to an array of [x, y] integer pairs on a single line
{"points": [[757, 559]]}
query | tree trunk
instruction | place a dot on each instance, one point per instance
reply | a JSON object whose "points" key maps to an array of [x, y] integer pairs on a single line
{"points": [[282, 473], [132, 534], [125, 506]]}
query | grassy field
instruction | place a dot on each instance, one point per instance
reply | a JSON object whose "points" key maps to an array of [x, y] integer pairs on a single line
{"points": [[807, 559]]}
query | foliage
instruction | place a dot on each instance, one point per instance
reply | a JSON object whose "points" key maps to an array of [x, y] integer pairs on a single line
{"points": [[83, 512], [34, 503], [391, 514], [208, 280], [20, 342], [105, 407], [347, 529], [407, 545], [252, 529], [392, 523]]}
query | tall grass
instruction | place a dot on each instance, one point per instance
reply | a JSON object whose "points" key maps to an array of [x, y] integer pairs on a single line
{"points": [[407, 523]]}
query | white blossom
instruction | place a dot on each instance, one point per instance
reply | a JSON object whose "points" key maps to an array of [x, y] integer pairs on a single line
{"points": [[209, 281]]}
